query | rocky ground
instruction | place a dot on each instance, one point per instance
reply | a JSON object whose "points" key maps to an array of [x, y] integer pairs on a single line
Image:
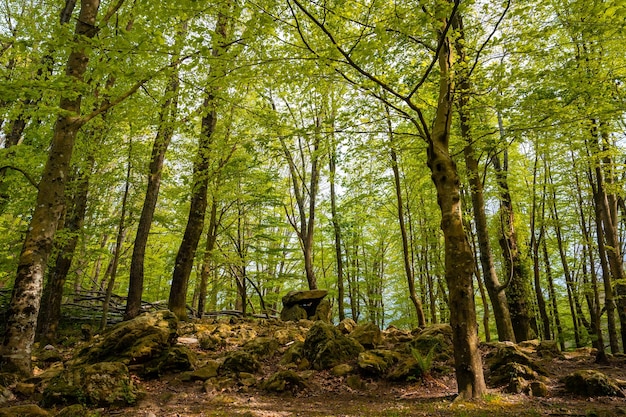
{"points": [[155, 366]]}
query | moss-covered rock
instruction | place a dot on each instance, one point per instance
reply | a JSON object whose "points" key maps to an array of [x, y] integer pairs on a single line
{"points": [[346, 326], [101, 384], [377, 362], [284, 381], [368, 335], [139, 341], [209, 370], [406, 369], [239, 361], [261, 346], [509, 371], [342, 369], [507, 353], [592, 383], [325, 346], [29, 410], [437, 337], [173, 360]]}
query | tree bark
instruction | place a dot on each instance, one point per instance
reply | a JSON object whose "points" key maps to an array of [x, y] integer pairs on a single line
{"points": [[205, 270], [517, 277], [26, 296], [50, 314], [177, 302], [162, 140], [459, 260], [408, 266], [496, 291], [332, 167]]}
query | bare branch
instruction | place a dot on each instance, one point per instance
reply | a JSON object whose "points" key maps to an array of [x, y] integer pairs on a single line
{"points": [[495, 28]]}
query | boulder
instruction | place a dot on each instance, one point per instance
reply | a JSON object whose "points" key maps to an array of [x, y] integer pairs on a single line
{"points": [[143, 343], [208, 371], [368, 335], [539, 389], [592, 383], [103, 384], [283, 381], [173, 360], [436, 337], [346, 326], [507, 353], [512, 370], [549, 349], [239, 361], [377, 362], [299, 305], [342, 369], [325, 346], [405, 370], [261, 346]]}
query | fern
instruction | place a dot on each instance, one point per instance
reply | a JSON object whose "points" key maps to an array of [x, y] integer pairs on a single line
{"points": [[424, 362]]}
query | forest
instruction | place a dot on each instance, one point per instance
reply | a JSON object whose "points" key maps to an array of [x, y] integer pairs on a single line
{"points": [[424, 161]]}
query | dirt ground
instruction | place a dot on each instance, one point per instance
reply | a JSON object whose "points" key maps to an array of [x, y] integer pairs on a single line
{"points": [[328, 395]]}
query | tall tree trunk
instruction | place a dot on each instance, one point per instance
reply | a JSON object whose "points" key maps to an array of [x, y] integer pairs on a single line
{"points": [[162, 140], [332, 167], [17, 126], [593, 299], [518, 291], [205, 270], [553, 301], [496, 291], [305, 201], [26, 296], [459, 260], [535, 241], [50, 314], [607, 204], [406, 256], [177, 302]]}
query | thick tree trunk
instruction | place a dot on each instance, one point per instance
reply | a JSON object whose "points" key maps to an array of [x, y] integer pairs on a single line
{"points": [[50, 314], [27, 290], [159, 148], [459, 261]]}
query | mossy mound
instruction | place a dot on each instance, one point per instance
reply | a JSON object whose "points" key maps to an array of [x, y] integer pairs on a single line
{"points": [[368, 335], [592, 383], [284, 381], [103, 384], [239, 361], [29, 410], [325, 346], [377, 362], [134, 341]]}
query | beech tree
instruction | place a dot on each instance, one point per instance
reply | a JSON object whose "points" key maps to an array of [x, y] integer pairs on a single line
{"points": [[458, 253]]}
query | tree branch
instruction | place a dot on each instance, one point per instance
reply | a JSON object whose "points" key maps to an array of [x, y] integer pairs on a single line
{"points": [[24, 173]]}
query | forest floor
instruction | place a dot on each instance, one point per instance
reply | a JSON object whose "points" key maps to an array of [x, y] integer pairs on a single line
{"points": [[327, 395]]}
